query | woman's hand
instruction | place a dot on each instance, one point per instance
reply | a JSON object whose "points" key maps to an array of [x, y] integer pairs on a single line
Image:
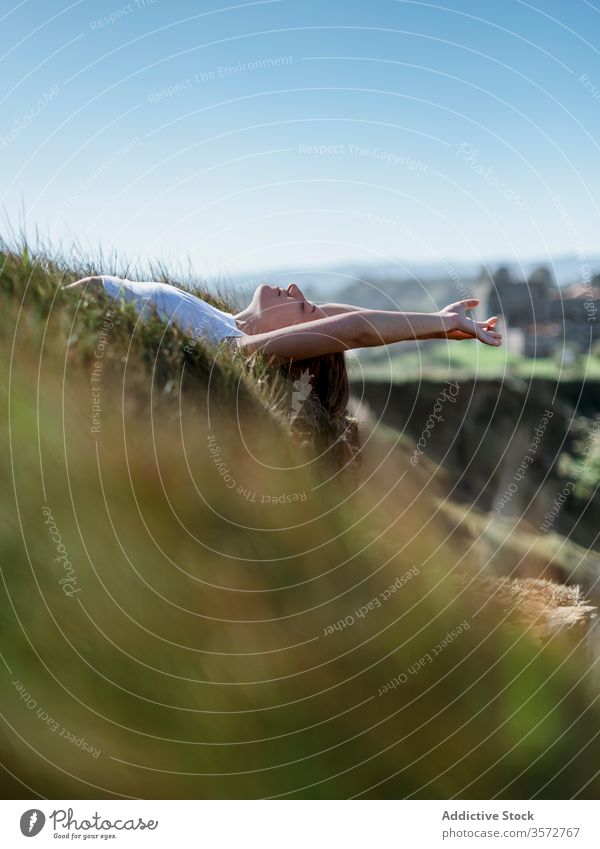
{"points": [[460, 326]]}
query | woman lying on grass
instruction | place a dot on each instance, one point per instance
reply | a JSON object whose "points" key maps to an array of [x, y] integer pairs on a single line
{"points": [[302, 336]]}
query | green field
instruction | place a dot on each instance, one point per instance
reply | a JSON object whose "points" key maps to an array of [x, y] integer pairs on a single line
{"points": [[466, 359]]}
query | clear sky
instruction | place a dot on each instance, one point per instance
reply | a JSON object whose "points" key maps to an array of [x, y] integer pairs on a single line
{"points": [[303, 133]]}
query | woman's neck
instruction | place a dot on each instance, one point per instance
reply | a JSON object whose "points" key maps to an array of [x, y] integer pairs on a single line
{"points": [[246, 321]]}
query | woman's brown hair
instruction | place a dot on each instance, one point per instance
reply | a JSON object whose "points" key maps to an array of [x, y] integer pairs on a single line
{"points": [[320, 408]]}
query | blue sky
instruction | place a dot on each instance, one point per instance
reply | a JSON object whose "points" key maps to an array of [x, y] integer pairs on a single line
{"points": [[297, 134]]}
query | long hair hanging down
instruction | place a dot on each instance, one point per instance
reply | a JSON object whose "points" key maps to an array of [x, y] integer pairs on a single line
{"points": [[319, 407]]}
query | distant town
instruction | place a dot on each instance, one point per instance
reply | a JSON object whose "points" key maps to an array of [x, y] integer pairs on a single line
{"points": [[541, 318]]}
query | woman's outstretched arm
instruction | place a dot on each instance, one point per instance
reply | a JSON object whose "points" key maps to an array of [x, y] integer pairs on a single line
{"points": [[488, 324], [337, 309], [362, 328]]}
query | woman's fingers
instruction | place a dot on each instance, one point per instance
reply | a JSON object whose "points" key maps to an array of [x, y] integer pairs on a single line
{"points": [[489, 325], [468, 328], [490, 322], [491, 331], [459, 334], [489, 337], [465, 304], [466, 334]]}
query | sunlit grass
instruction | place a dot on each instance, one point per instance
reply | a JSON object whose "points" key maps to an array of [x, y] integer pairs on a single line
{"points": [[194, 630]]}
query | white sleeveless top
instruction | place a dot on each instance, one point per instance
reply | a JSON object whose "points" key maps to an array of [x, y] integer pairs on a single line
{"points": [[192, 314]]}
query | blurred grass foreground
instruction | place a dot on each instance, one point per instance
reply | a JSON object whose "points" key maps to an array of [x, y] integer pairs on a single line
{"points": [[199, 601]]}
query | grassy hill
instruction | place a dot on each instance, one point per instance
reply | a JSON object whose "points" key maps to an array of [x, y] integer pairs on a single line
{"points": [[198, 602]]}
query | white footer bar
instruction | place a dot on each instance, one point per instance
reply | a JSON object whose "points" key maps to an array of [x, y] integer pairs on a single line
{"points": [[303, 824]]}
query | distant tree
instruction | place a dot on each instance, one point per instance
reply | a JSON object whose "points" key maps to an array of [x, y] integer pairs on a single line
{"points": [[542, 277], [502, 276]]}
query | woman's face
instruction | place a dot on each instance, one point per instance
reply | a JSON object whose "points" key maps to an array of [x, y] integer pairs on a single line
{"points": [[278, 307]]}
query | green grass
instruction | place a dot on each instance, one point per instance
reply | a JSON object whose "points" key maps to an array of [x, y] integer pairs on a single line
{"points": [[190, 648], [467, 359]]}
